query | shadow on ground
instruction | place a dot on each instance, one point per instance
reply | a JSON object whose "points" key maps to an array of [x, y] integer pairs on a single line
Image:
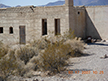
{"points": [[84, 55], [74, 71], [100, 44]]}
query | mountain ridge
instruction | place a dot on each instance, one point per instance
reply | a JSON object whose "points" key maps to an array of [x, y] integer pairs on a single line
{"points": [[4, 6], [81, 2]]}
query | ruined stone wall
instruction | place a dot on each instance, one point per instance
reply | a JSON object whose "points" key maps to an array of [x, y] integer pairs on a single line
{"points": [[14, 17], [52, 13], [31, 18], [77, 21], [97, 22]]}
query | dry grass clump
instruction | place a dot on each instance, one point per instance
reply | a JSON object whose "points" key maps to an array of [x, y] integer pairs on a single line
{"points": [[26, 53], [54, 57]]}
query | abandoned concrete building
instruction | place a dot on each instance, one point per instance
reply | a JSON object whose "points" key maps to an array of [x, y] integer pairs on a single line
{"points": [[21, 24]]}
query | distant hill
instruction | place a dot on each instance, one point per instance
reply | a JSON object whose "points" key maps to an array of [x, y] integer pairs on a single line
{"points": [[81, 2], [76, 3], [4, 6], [18, 6], [97, 2], [55, 3]]}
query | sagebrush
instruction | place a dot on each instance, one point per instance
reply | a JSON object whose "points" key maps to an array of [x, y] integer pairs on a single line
{"points": [[3, 49], [55, 56], [46, 54], [26, 53], [8, 65]]}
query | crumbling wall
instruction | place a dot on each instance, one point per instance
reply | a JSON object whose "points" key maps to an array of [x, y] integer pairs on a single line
{"points": [[31, 17], [14, 17], [52, 13]]}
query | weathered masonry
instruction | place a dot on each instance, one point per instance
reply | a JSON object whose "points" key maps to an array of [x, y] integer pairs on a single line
{"points": [[22, 24]]}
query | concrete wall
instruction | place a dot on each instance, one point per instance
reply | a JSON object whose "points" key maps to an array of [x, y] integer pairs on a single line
{"points": [[31, 18], [89, 21], [79, 23], [15, 17], [97, 22]]}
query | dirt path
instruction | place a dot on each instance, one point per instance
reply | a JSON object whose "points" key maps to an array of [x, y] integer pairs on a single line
{"points": [[91, 67]]}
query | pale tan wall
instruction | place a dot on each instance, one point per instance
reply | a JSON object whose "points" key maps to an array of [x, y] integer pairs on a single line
{"points": [[97, 22], [77, 21], [32, 20], [9, 19], [51, 13], [80, 22]]}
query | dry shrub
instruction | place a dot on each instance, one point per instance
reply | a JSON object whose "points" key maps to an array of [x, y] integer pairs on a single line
{"points": [[26, 70], [46, 40], [68, 35], [58, 50], [35, 61], [26, 53], [29, 74], [8, 65], [31, 65], [20, 70], [3, 50], [40, 44], [77, 45], [1, 44], [55, 56]]}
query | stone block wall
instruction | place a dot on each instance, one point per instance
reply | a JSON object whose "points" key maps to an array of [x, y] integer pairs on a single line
{"points": [[31, 18]]}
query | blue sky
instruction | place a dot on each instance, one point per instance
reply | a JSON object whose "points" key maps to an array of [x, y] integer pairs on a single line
{"points": [[25, 2]]}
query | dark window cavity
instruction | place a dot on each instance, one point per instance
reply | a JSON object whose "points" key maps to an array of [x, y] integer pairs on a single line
{"points": [[1, 29], [11, 30], [78, 12], [44, 26], [57, 26]]}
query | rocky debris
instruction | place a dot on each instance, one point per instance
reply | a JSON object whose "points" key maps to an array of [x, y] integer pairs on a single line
{"points": [[37, 73], [103, 41], [105, 56], [44, 74]]}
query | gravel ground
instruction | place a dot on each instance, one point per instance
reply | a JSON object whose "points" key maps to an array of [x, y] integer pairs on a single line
{"points": [[85, 68]]}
